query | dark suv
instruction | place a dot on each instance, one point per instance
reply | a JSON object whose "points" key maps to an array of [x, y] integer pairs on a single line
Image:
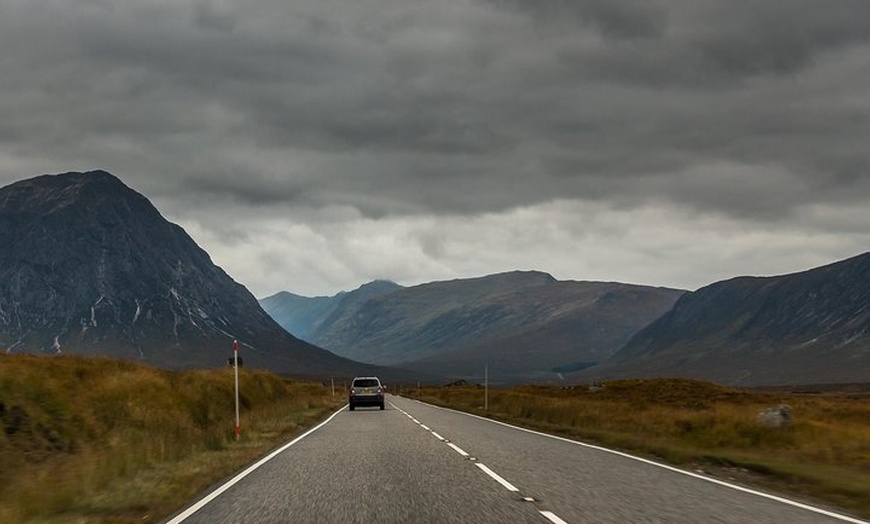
{"points": [[365, 391]]}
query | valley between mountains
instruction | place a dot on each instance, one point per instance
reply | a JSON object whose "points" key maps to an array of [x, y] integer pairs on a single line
{"points": [[811, 327], [90, 267]]}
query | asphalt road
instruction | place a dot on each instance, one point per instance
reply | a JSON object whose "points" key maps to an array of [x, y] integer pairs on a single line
{"points": [[418, 463]]}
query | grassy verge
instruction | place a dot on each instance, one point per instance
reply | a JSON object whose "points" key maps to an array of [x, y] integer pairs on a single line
{"points": [[824, 455], [103, 441]]}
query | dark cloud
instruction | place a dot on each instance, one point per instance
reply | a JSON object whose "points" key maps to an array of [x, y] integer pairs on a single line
{"points": [[627, 19], [779, 37], [386, 110]]}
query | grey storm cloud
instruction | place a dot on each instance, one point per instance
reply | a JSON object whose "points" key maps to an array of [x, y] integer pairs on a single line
{"points": [[343, 112]]}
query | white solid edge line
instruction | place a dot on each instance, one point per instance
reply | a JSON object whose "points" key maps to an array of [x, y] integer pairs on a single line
{"points": [[552, 517], [783, 500], [497, 477], [230, 483]]}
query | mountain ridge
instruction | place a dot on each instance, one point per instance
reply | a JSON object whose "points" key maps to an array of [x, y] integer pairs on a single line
{"points": [[806, 327], [303, 316], [455, 325]]}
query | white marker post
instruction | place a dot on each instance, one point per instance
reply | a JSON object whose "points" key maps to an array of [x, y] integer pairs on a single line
{"points": [[236, 370], [486, 387]]}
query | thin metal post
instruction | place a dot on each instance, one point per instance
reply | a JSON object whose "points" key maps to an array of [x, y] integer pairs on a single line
{"points": [[486, 387], [236, 370]]}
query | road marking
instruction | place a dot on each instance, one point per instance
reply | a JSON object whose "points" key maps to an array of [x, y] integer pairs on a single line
{"points": [[181, 517], [552, 517], [497, 477], [457, 449], [783, 500]]}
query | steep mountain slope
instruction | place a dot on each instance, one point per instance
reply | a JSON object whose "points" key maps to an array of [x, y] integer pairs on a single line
{"points": [[601, 319], [803, 328], [90, 267], [527, 321], [297, 314], [305, 317]]}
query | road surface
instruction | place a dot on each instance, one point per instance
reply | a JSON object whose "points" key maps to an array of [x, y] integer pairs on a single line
{"points": [[417, 463]]}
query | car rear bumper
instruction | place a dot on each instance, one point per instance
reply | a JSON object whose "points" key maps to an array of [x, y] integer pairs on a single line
{"points": [[366, 400]]}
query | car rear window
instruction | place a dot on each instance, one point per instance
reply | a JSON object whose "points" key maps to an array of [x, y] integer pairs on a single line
{"points": [[365, 383]]}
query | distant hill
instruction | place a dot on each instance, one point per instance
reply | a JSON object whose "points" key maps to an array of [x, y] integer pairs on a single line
{"points": [[305, 317], [526, 325], [811, 327], [90, 267]]}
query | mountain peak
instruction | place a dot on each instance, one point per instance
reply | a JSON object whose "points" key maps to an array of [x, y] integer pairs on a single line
{"points": [[90, 266], [539, 277], [47, 194], [378, 287]]}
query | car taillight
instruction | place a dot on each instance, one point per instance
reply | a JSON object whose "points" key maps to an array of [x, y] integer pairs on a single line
{"points": [[380, 390]]}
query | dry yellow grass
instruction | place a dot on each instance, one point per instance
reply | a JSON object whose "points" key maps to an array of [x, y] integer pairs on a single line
{"points": [[99, 440], [104, 441], [825, 454]]}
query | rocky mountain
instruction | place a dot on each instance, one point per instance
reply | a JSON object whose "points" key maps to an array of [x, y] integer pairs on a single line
{"points": [[90, 267], [811, 327], [524, 325], [306, 317]]}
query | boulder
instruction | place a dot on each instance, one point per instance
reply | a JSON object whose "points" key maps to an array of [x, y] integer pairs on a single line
{"points": [[776, 417]]}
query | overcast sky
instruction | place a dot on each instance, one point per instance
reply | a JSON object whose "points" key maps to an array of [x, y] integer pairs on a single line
{"points": [[315, 145]]}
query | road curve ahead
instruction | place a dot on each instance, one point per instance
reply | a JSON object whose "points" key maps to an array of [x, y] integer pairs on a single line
{"points": [[417, 463]]}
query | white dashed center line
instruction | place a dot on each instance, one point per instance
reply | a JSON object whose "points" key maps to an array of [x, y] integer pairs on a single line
{"points": [[549, 515], [552, 517], [457, 449], [508, 486]]}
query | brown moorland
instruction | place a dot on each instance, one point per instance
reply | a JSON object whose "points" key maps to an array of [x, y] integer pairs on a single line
{"points": [[100, 440]]}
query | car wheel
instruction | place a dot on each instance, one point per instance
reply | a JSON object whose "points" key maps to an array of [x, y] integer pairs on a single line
{"points": [[351, 407], [382, 406]]}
